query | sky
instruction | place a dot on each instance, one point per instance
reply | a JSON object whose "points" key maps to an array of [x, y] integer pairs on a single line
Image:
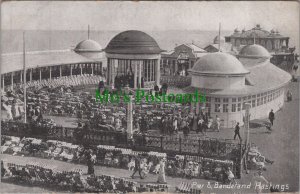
{"points": [[104, 15]]}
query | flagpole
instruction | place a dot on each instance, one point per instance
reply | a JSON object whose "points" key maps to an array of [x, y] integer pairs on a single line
{"points": [[24, 77], [220, 37], [88, 31]]}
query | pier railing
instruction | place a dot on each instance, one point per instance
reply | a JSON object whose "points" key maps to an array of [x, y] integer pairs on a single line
{"points": [[222, 149], [176, 81], [206, 147]]}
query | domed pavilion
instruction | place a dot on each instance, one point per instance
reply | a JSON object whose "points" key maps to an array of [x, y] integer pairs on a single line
{"points": [[92, 50], [229, 82], [133, 58]]}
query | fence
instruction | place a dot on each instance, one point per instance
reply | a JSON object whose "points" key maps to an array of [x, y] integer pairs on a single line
{"points": [[176, 81], [207, 147]]}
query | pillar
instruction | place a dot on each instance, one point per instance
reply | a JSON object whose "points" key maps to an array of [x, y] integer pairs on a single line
{"points": [[197, 107], [71, 71], [50, 73], [246, 122], [2, 78], [40, 74], [30, 75], [60, 73], [21, 81], [176, 67], [109, 72], [135, 75], [287, 43], [12, 80], [147, 72], [129, 119], [157, 73], [150, 70], [140, 74], [92, 69], [192, 107], [168, 65], [80, 69]]}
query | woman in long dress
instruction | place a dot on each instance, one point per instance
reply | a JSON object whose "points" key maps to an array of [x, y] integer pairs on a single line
{"points": [[162, 174]]}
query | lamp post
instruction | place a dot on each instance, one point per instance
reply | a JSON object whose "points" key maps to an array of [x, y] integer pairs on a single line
{"points": [[115, 71], [24, 78], [246, 124], [129, 115], [247, 120]]}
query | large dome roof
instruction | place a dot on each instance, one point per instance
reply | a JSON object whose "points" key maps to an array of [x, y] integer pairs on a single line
{"points": [[254, 50], [219, 63], [217, 39], [88, 46], [133, 42]]}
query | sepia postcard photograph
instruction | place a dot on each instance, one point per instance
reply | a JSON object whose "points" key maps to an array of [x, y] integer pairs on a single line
{"points": [[149, 97]]}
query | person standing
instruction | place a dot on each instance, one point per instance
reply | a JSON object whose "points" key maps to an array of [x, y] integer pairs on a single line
{"points": [[185, 128], [195, 123], [137, 167], [162, 175], [259, 181], [237, 131], [175, 125], [90, 164], [289, 96], [271, 117], [218, 122]]}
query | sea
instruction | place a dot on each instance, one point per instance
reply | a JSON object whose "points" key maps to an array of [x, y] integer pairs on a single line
{"points": [[40, 40]]}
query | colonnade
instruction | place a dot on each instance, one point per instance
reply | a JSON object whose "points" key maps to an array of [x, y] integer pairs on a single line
{"points": [[49, 72]]}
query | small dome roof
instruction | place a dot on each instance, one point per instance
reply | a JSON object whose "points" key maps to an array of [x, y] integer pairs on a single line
{"points": [[88, 46], [219, 63], [254, 50], [217, 39], [133, 42]]}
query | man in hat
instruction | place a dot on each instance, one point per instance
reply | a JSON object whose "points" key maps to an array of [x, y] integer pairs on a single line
{"points": [[137, 167], [237, 131], [90, 162], [289, 96], [271, 117]]}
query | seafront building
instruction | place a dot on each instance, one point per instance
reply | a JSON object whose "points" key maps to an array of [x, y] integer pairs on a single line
{"points": [[230, 82], [277, 44], [182, 58]]}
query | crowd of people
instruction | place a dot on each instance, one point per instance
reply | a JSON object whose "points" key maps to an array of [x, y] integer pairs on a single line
{"points": [[61, 98], [72, 181], [142, 163], [189, 122]]}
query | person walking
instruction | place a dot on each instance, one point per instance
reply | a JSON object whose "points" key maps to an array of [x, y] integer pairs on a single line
{"points": [[162, 175], [271, 117], [237, 131], [289, 96], [137, 167]]}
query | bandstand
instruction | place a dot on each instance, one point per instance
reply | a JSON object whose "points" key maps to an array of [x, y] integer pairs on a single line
{"points": [[133, 58]]}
